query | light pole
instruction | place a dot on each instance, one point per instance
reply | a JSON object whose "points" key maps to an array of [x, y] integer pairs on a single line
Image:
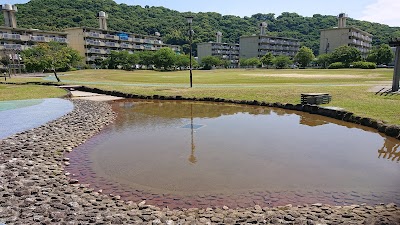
{"points": [[190, 21], [327, 46]]}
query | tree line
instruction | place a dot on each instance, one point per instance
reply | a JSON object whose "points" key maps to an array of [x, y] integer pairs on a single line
{"points": [[162, 59], [348, 56]]}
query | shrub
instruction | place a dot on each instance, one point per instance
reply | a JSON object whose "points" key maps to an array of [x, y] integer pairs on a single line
{"points": [[364, 65], [337, 65]]}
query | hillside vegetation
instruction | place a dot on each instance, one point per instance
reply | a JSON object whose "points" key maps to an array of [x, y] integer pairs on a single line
{"points": [[59, 14]]}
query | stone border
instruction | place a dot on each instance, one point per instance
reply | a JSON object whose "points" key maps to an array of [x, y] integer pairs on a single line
{"points": [[35, 189], [388, 129]]}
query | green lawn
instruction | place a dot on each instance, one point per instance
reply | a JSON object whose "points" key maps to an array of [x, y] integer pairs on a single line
{"points": [[349, 87], [237, 76], [18, 92]]}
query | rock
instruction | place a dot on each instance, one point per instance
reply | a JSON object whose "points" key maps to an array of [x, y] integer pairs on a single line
{"points": [[347, 215], [257, 208], [216, 219], [73, 181], [317, 205], [73, 204], [170, 222], [289, 218], [392, 131], [391, 205]]}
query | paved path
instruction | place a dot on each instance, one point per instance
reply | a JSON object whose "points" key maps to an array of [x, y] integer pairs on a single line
{"points": [[93, 96], [17, 119]]}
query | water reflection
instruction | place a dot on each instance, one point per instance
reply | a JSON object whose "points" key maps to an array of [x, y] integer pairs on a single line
{"points": [[389, 150], [239, 149], [192, 157], [310, 121]]}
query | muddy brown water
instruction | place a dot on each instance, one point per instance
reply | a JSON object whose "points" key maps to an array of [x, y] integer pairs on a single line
{"points": [[195, 154]]}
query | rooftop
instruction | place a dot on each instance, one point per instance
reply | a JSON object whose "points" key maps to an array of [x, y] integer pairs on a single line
{"points": [[346, 28], [269, 36], [111, 31], [32, 30]]}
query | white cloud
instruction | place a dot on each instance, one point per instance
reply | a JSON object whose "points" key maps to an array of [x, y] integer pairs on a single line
{"points": [[383, 11]]}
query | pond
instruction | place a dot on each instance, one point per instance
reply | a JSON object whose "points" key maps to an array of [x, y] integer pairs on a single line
{"points": [[196, 154], [21, 115]]}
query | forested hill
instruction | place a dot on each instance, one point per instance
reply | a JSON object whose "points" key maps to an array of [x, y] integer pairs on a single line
{"points": [[59, 14]]}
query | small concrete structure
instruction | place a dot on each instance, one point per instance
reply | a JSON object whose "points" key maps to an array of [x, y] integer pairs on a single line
{"points": [[395, 42]]}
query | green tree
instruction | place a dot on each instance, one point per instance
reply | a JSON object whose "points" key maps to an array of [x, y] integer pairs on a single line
{"points": [[323, 60], [182, 61], [209, 61], [243, 62], [304, 56], [51, 56], [382, 54], [346, 54], [146, 58], [132, 60], [282, 61], [253, 62], [267, 59], [164, 58], [225, 63]]}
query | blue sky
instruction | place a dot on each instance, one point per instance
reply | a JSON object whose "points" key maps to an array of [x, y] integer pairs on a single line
{"points": [[381, 11]]}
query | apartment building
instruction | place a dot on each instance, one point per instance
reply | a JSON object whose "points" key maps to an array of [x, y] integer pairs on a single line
{"points": [[97, 43], [259, 45], [225, 51], [19, 39], [14, 39], [332, 38]]}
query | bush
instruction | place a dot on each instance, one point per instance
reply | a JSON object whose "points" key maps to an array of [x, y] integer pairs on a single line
{"points": [[364, 65], [337, 65]]}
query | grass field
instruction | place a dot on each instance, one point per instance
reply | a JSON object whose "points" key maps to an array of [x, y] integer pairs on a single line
{"points": [[18, 92], [231, 77], [349, 87]]}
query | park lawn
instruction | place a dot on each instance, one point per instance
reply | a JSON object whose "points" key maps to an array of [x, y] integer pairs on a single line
{"points": [[230, 76], [19, 92], [356, 99], [349, 87]]}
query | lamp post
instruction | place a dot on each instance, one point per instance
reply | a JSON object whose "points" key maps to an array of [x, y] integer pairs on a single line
{"points": [[327, 46], [190, 21]]}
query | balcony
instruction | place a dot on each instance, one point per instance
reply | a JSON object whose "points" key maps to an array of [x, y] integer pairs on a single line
{"points": [[149, 47], [94, 35], [99, 51], [39, 39], [96, 43], [110, 36], [125, 45], [59, 39], [112, 44], [15, 47], [11, 36], [138, 40]]}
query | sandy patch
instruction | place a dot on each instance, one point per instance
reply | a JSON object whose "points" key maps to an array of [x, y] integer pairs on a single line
{"points": [[311, 75]]}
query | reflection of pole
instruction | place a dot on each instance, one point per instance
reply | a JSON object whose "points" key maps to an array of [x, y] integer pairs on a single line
{"points": [[192, 158]]}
